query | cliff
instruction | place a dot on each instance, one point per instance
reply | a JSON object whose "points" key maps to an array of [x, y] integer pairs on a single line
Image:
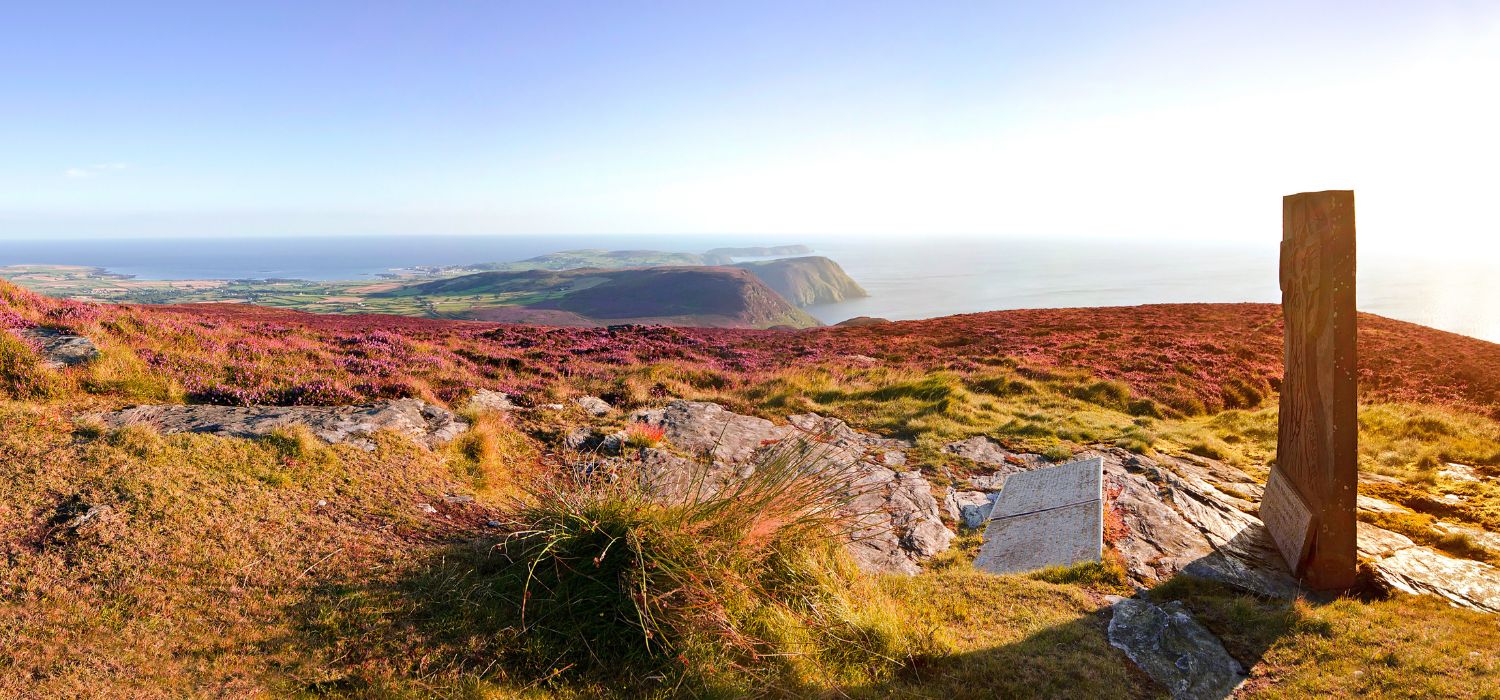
{"points": [[807, 280]]}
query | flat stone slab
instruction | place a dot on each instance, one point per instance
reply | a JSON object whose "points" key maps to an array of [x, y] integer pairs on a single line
{"points": [[1053, 487], [1056, 537], [1046, 517]]}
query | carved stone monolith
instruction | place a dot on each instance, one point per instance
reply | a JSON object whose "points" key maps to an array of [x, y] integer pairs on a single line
{"points": [[1309, 502]]}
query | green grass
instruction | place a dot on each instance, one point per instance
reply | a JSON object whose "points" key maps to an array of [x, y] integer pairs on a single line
{"points": [[285, 567]]}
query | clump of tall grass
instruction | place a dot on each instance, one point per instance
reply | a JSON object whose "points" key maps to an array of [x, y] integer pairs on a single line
{"points": [[642, 435], [741, 586]]}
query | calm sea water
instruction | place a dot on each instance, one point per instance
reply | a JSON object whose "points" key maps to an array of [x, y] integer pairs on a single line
{"points": [[906, 279]]}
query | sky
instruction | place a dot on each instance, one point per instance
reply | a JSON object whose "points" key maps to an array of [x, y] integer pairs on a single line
{"points": [[1178, 120]]}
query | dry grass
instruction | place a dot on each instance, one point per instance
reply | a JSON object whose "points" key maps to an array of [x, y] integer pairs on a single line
{"points": [[139, 565]]}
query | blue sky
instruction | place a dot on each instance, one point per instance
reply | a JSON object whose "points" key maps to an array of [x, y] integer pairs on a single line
{"points": [[1183, 119]]}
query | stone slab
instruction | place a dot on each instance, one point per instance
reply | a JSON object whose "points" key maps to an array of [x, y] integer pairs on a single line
{"points": [[1287, 518], [1053, 537], [1053, 487]]}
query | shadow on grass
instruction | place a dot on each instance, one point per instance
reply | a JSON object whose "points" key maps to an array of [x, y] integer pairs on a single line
{"points": [[447, 625], [435, 626], [1075, 659]]}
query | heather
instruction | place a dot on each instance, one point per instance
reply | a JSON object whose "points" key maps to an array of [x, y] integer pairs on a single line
{"points": [[147, 565], [1174, 360]]}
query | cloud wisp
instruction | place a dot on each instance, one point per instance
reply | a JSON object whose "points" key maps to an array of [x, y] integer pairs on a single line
{"points": [[95, 170]]}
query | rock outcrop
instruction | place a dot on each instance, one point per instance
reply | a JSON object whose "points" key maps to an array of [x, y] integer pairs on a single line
{"points": [[1198, 516], [489, 400], [60, 349], [593, 405], [989, 452], [424, 423], [1421, 570], [896, 521], [1174, 649]]}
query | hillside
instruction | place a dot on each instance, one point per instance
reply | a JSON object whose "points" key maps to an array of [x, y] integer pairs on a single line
{"points": [[525, 291], [807, 280], [232, 500], [689, 296]]}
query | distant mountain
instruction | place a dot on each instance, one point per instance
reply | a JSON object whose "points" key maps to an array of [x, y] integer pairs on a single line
{"points": [[807, 280], [687, 296]]}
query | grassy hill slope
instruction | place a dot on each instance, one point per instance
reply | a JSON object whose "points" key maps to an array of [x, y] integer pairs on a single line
{"points": [[693, 296], [283, 567]]}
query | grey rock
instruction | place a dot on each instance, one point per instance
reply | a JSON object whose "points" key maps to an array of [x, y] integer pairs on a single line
{"points": [[1179, 521], [896, 520], [593, 405], [1174, 649], [703, 428], [988, 451], [1425, 571], [487, 400], [1370, 504], [1454, 471], [970, 508], [60, 349], [424, 423], [580, 439], [1374, 542], [1483, 538]]}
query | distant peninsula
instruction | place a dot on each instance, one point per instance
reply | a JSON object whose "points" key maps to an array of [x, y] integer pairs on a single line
{"points": [[585, 287]]}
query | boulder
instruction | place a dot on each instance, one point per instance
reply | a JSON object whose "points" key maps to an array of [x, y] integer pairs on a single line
{"points": [[1174, 649], [593, 405], [487, 400], [424, 423], [580, 439], [896, 520], [703, 428], [970, 509], [60, 349]]}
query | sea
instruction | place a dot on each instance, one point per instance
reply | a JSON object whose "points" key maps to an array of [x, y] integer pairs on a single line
{"points": [[907, 278]]}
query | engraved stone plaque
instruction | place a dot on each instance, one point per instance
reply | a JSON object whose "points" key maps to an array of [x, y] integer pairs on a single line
{"points": [[1288, 519], [1053, 487], [1046, 517]]}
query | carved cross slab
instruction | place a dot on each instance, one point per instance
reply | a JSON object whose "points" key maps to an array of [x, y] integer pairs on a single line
{"points": [[1315, 468]]}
